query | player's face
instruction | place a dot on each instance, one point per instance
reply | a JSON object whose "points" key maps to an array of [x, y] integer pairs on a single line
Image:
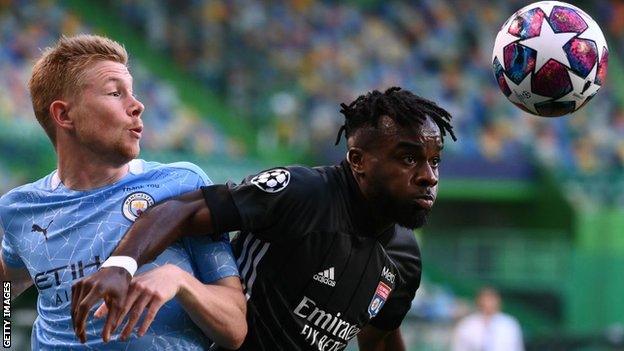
{"points": [[403, 173], [106, 114]]}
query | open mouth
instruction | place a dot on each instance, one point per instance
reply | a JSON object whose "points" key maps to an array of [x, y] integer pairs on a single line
{"points": [[137, 131], [424, 201]]}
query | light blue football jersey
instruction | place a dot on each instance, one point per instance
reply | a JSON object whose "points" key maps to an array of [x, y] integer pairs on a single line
{"points": [[61, 235]]}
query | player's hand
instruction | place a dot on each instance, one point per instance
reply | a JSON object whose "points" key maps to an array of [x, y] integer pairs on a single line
{"points": [[148, 291], [109, 283]]}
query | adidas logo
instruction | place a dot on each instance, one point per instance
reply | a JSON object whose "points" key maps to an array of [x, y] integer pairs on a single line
{"points": [[325, 277]]}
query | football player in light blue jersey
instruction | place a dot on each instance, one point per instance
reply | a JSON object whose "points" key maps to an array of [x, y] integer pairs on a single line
{"points": [[64, 226]]}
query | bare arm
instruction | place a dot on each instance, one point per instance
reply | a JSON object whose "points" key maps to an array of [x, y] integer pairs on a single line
{"points": [[152, 232], [373, 339], [19, 278], [218, 308], [163, 224]]}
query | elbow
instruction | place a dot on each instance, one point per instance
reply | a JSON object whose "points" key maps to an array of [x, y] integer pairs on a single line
{"points": [[235, 332], [235, 337], [238, 331], [239, 337]]}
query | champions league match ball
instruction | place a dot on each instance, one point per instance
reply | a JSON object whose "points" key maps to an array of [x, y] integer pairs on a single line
{"points": [[550, 58]]}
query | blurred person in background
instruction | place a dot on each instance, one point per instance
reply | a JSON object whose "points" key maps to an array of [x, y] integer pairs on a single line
{"points": [[64, 226], [326, 253], [488, 329]]}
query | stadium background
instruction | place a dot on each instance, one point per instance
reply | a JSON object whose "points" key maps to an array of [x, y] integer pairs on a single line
{"points": [[529, 205]]}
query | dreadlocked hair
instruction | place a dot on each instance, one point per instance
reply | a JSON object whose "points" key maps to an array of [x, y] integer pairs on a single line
{"points": [[402, 106]]}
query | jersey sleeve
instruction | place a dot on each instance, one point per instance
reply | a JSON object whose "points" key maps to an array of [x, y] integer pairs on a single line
{"points": [[274, 204], [9, 254], [405, 254], [213, 260], [202, 178]]}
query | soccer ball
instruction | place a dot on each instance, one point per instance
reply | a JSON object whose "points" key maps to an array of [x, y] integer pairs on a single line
{"points": [[550, 58]]}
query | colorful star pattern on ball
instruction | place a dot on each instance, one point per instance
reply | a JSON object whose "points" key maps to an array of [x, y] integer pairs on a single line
{"points": [[550, 58]]}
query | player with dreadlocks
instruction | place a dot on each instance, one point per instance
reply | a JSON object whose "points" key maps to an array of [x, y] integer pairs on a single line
{"points": [[402, 105], [325, 253]]}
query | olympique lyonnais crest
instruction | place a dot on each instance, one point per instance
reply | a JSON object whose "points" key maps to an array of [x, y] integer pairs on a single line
{"points": [[272, 181], [135, 204], [381, 295]]}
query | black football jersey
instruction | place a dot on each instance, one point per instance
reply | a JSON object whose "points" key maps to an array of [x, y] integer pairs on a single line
{"points": [[314, 272]]}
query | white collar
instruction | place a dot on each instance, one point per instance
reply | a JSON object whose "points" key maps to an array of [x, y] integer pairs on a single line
{"points": [[136, 166]]}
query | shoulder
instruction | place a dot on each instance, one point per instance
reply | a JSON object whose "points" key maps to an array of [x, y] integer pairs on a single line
{"points": [[21, 199], [403, 242], [296, 181], [27, 191], [405, 253], [176, 169], [507, 320]]}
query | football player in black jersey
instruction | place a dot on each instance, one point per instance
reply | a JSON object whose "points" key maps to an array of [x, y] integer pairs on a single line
{"points": [[325, 253]]}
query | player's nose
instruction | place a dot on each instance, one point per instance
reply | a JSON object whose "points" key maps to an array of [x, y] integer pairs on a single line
{"points": [[426, 176], [136, 107]]}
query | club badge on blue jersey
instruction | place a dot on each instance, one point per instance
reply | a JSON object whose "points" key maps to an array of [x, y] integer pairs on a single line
{"points": [[272, 181], [381, 295], [135, 204]]}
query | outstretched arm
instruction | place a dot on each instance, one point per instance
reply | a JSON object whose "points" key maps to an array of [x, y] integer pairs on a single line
{"points": [[163, 224], [152, 232]]}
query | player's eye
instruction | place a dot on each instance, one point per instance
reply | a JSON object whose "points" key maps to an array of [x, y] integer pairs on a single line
{"points": [[435, 162], [409, 159], [115, 94]]}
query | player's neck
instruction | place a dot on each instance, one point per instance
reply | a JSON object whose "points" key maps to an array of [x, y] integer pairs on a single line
{"points": [[381, 224], [85, 171]]}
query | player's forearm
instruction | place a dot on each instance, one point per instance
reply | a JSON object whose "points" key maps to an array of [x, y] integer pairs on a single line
{"points": [[218, 310], [158, 228]]}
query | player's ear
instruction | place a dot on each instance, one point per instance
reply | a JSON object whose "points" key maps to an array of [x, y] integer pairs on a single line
{"points": [[59, 112], [355, 157]]}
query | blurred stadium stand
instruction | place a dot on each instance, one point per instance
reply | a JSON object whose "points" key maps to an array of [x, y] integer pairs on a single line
{"points": [[529, 205]]}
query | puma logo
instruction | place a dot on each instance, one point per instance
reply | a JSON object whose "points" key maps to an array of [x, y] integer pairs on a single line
{"points": [[44, 231]]}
